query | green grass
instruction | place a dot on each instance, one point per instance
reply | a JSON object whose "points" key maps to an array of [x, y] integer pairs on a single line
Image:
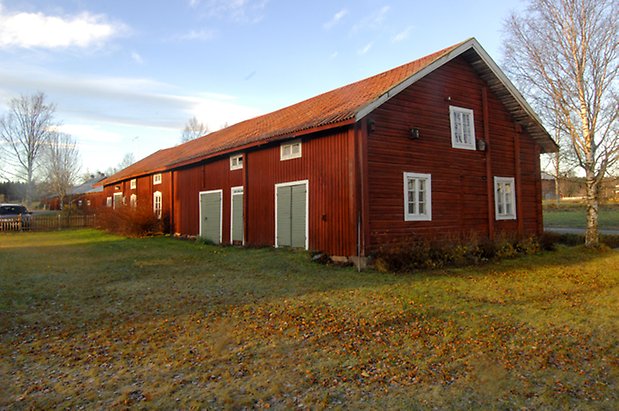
{"points": [[97, 321], [575, 216]]}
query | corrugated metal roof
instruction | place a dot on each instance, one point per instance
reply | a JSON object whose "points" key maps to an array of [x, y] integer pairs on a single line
{"points": [[344, 104]]}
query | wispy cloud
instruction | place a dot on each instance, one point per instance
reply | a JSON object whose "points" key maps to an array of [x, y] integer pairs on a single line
{"points": [[365, 49], [137, 57], [198, 35], [403, 35], [240, 11], [334, 55], [373, 21], [37, 30], [335, 19]]}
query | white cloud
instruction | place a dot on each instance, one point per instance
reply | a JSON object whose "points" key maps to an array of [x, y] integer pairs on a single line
{"points": [[241, 11], [30, 30], [90, 133], [365, 49], [373, 21], [334, 55], [200, 35], [403, 35], [137, 57], [335, 19]]}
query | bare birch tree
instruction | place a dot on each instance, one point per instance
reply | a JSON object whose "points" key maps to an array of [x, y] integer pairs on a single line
{"points": [[193, 129], [61, 164], [24, 132], [565, 53]]}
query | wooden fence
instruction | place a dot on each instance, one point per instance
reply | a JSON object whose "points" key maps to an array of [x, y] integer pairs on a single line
{"points": [[47, 222]]}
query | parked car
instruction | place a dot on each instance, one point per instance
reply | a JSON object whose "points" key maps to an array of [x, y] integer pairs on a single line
{"points": [[14, 217]]}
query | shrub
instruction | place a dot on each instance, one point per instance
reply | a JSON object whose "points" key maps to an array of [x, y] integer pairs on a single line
{"points": [[131, 222], [422, 253]]}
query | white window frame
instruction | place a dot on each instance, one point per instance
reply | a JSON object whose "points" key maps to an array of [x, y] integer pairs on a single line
{"points": [[109, 202], [133, 201], [157, 179], [158, 210], [119, 202], [427, 215], [238, 190], [294, 183], [133, 184], [501, 199], [236, 162], [455, 118], [286, 150]]}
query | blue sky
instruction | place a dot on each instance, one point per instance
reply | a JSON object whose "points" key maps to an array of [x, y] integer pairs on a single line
{"points": [[127, 75]]}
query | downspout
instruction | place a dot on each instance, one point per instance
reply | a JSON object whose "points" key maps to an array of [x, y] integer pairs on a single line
{"points": [[518, 180], [489, 179]]}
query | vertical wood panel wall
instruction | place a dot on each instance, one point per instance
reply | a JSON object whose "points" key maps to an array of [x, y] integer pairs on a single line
{"points": [[459, 182]]}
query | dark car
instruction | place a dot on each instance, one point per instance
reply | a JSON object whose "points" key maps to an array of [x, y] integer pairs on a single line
{"points": [[14, 217]]}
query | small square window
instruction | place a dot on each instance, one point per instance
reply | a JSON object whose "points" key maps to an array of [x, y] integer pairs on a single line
{"points": [[290, 150], [417, 197], [504, 198], [157, 179], [462, 128], [236, 162], [133, 184]]}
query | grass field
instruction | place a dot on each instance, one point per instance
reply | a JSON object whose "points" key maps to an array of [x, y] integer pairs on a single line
{"points": [[97, 321], [574, 215]]}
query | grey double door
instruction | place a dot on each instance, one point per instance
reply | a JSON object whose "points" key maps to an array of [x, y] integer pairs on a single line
{"points": [[291, 215]]}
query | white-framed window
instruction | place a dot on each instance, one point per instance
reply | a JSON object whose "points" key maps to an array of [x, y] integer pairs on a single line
{"points": [[118, 200], [417, 197], [236, 162], [133, 201], [108, 202], [290, 149], [157, 178], [88, 203], [133, 184], [462, 128], [157, 203], [504, 198]]}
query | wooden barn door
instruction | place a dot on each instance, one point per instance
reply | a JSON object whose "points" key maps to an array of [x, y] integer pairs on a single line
{"points": [[210, 215], [236, 219], [291, 215]]}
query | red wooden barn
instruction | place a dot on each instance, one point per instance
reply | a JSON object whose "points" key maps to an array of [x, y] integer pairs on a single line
{"points": [[444, 145]]}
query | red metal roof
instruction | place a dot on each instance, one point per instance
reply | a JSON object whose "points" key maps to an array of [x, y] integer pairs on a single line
{"points": [[333, 108]]}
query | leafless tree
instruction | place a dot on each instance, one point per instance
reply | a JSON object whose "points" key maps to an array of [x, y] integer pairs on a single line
{"points": [[193, 129], [24, 132], [61, 164], [566, 52], [127, 160]]}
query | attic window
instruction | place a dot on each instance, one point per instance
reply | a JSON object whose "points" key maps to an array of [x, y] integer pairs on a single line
{"points": [[133, 184], [157, 179], [236, 162], [462, 128], [290, 150]]}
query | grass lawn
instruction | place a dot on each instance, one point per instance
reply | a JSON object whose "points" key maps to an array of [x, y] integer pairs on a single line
{"points": [[93, 320], [575, 216]]}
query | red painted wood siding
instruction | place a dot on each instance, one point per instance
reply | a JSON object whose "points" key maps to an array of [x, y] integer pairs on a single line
{"points": [[190, 181], [459, 189], [327, 162]]}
